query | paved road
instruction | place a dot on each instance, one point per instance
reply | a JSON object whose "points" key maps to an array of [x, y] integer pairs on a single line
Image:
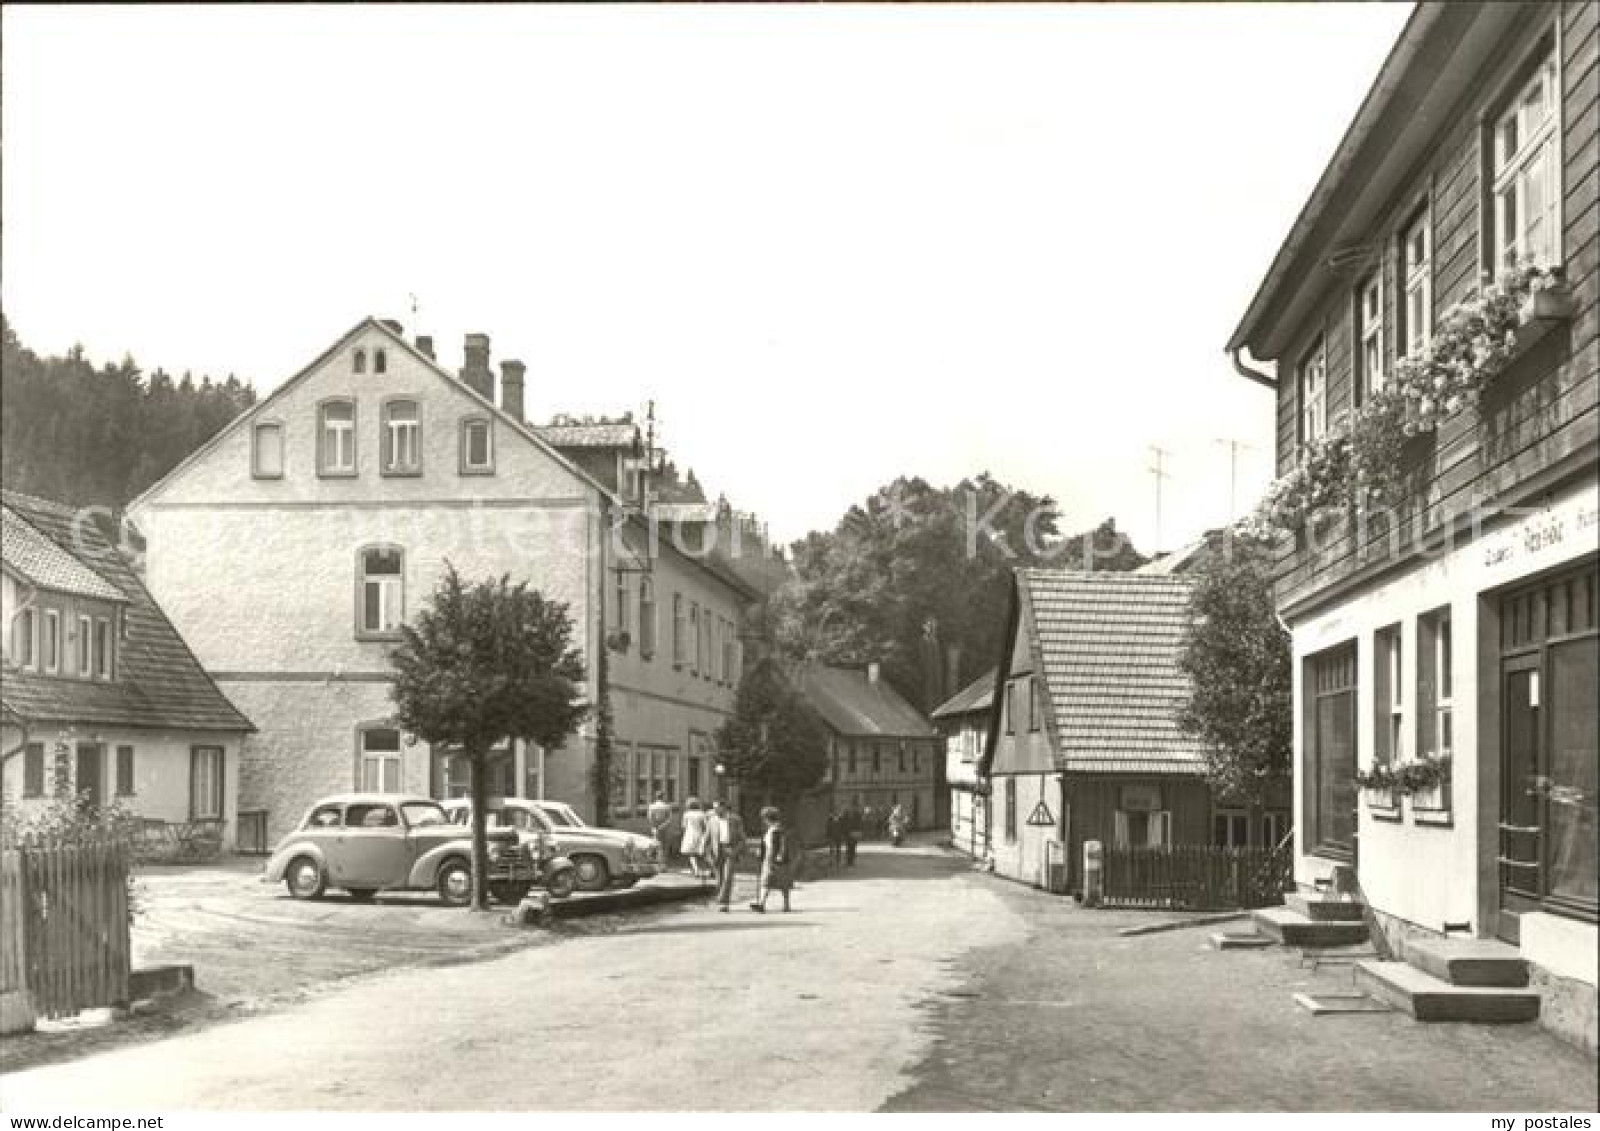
{"points": [[910, 984], [682, 1009]]}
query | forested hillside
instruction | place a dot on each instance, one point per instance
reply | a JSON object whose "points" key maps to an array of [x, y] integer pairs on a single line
{"points": [[77, 434]]}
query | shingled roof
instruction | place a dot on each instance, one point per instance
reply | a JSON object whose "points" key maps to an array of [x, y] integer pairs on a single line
{"points": [[40, 562], [976, 696], [1108, 646], [854, 705], [601, 434], [159, 682]]}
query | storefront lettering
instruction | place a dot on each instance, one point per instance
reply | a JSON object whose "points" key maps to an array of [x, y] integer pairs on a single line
{"points": [[1548, 532]]}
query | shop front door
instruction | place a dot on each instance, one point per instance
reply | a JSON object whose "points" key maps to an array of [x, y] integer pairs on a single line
{"points": [[1521, 835]]}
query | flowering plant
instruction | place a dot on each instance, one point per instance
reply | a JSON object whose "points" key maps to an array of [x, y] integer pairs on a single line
{"points": [[1360, 461], [1425, 772]]}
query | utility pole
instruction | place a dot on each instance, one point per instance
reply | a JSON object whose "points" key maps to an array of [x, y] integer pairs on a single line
{"points": [[1158, 469], [1234, 448]]}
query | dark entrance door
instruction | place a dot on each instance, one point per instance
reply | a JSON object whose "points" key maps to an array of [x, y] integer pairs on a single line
{"points": [[1521, 836], [1331, 730], [90, 775]]}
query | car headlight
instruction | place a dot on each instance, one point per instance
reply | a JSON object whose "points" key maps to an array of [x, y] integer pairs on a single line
{"points": [[494, 850]]}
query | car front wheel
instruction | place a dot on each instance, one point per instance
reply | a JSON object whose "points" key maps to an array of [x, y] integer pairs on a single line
{"points": [[304, 878], [562, 884], [593, 873], [455, 882]]}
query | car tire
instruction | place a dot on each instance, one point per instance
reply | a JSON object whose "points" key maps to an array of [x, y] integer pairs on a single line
{"points": [[454, 882], [362, 895], [562, 884], [304, 879], [593, 873]]}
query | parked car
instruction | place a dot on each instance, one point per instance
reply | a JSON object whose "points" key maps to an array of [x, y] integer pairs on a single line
{"points": [[602, 857], [556, 873], [365, 843]]}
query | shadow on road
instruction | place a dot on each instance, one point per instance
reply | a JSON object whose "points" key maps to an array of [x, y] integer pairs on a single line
{"points": [[766, 924]]}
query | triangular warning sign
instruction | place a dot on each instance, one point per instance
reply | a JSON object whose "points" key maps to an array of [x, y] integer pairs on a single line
{"points": [[1041, 814]]}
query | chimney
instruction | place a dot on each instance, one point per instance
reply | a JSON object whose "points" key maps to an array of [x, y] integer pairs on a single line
{"points": [[475, 371], [872, 672], [511, 387], [425, 345]]}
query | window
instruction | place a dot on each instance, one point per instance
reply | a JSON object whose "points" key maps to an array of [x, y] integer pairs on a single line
{"points": [[402, 438], [85, 647], [1011, 707], [850, 757], [50, 644], [902, 753], [672, 776], [1010, 786], [1416, 280], [647, 617], [1230, 828], [1390, 687], [205, 782], [1274, 827], [1526, 175], [1313, 387], [624, 622], [1369, 337], [358, 363], [1035, 715], [621, 769], [677, 630], [1137, 828], [380, 760], [266, 458], [380, 361], [336, 444], [1435, 685], [33, 770], [694, 631], [124, 771], [102, 648], [477, 446], [381, 593], [641, 779], [23, 642]]}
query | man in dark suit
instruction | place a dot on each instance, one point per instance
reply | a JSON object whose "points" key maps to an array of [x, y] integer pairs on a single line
{"points": [[724, 844], [852, 821]]}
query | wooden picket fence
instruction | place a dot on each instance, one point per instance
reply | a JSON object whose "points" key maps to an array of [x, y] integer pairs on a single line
{"points": [[1195, 877], [64, 924]]}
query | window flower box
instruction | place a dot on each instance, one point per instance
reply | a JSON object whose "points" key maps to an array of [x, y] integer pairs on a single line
{"points": [[1548, 305]]}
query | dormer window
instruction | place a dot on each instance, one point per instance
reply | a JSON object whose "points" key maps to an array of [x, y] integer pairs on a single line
{"points": [[402, 438], [359, 362], [477, 446], [266, 457], [336, 438]]}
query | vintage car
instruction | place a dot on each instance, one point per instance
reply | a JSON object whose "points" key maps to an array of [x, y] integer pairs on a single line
{"points": [[603, 857], [365, 843], [557, 875]]}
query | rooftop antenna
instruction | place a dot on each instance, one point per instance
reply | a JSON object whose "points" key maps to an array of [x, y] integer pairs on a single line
{"points": [[1234, 447], [649, 453], [1158, 469], [415, 306]]}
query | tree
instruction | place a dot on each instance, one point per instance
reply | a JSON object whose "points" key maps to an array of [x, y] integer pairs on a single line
{"points": [[774, 744], [483, 663], [918, 577], [1236, 655]]}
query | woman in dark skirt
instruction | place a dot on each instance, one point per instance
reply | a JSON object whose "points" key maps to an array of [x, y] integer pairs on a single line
{"points": [[777, 860]]}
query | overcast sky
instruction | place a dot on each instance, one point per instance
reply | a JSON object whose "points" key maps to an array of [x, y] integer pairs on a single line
{"points": [[834, 244]]}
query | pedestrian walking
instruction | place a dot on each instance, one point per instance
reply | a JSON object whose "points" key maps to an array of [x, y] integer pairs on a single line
{"points": [[897, 825], [693, 842], [852, 822], [833, 830], [777, 861], [726, 844], [660, 816]]}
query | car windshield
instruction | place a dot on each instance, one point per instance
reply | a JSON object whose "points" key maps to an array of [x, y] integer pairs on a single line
{"points": [[421, 814], [563, 815]]}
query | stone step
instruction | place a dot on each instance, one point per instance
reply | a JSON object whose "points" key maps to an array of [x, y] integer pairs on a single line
{"points": [[1427, 998], [1294, 929], [1239, 940], [1469, 962], [1324, 908]]}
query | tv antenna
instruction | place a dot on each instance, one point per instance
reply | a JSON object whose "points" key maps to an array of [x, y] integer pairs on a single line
{"points": [[1160, 472], [1234, 448]]}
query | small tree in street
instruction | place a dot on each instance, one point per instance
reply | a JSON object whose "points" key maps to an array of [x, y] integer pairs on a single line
{"points": [[1237, 658], [774, 744], [482, 663]]}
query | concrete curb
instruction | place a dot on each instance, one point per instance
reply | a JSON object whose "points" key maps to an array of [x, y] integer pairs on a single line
{"points": [[1179, 924]]}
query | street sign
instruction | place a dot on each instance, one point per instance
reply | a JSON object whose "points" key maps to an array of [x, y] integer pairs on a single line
{"points": [[1041, 815]]}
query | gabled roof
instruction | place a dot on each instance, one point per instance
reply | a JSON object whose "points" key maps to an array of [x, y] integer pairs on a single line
{"points": [[853, 705], [159, 684], [1108, 646], [602, 434], [975, 697], [40, 562]]}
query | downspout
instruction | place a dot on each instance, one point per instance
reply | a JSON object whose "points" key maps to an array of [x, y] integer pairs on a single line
{"points": [[1249, 372]]}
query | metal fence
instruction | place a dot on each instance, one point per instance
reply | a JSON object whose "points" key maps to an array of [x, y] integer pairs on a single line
{"points": [[1196, 877], [64, 925]]}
